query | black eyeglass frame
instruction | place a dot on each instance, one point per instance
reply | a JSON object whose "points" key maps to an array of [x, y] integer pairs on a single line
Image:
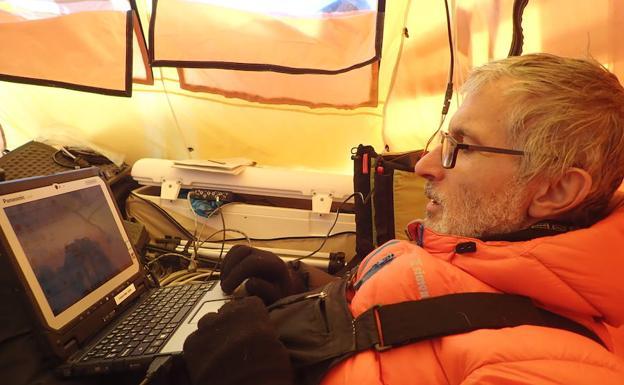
{"points": [[463, 146]]}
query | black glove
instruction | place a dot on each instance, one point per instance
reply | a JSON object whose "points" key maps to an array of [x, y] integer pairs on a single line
{"points": [[237, 346], [268, 277]]}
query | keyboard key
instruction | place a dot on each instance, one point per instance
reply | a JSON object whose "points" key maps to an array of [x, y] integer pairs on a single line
{"points": [[126, 352], [140, 349], [151, 323], [148, 339], [152, 350], [181, 313], [162, 336]]}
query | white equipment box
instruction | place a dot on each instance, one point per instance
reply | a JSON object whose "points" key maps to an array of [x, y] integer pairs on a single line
{"points": [[257, 221]]}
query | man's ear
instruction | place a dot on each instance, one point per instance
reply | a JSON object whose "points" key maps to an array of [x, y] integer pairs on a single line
{"points": [[554, 197]]}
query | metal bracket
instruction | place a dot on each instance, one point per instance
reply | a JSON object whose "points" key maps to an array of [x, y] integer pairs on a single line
{"points": [[169, 189], [321, 203]]}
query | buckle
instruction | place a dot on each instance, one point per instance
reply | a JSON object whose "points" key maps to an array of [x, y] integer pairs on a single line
{"points": [[380, 346]]}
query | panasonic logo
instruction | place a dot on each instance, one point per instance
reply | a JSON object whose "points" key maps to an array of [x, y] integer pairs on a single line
{"points": [[11, 200]]}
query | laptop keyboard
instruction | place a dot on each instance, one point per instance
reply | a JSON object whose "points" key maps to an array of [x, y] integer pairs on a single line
{"points": [[149, 326]]}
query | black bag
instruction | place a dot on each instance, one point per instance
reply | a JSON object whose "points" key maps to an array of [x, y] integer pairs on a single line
{"points": [[319, 331], [316, 328]]}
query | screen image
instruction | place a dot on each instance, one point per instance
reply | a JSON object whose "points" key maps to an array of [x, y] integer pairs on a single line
{"points": [[72, 243]]}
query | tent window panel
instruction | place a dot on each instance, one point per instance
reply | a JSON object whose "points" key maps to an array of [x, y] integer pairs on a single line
{"points": [[298, 36], [356, 88], [82, 45], [50, 52]]}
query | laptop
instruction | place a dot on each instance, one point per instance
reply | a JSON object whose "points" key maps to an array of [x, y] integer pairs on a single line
{"points": [[87, 288]]}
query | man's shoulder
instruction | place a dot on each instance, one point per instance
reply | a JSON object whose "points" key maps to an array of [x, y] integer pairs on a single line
{"points": [[402, 271]]}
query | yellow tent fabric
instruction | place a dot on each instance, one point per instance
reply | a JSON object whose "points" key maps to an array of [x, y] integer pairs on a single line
{"points": [[164, 120], [84, 46]]}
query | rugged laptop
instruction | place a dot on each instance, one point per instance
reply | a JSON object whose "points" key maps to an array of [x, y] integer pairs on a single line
{"points": [[88, 290]]}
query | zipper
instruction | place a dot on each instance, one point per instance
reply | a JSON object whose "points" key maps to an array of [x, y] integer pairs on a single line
{"points": [[320, 295], [374, 269], [365, 262], [420, 235]]}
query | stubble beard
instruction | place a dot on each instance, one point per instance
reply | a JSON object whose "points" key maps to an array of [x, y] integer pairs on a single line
{"points": [[471, 214]]}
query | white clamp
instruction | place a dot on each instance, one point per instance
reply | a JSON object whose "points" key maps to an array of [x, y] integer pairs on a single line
{"points": [[169, 189], [321, 203]]}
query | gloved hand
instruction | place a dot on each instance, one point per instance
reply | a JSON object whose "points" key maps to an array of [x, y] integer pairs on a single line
{"points": [[264, 273], [237, 346]]}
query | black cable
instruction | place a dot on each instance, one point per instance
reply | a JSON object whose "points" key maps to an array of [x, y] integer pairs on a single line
{"points": [[66, 165], [151, 274], [205, 262], [222, 243], [327, 236], [448, 94], [218, 264], [449, 86], [159, 364], [76, 162], [159, 249], [293, 238], [402, 156], [517, 40], [364, 201], [169, 254], [190, 236]]}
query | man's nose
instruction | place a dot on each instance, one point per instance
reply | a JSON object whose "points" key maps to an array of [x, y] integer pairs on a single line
{"points": [[430, 165]]}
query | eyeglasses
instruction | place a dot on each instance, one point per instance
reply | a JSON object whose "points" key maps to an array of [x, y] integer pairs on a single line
{"points": [[450, 148]]}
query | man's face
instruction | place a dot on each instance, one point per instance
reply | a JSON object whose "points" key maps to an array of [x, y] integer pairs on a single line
{"points": [[481, 195]]}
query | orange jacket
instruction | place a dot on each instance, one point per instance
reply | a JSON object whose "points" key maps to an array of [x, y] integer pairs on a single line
{"points": [[579, 274]]}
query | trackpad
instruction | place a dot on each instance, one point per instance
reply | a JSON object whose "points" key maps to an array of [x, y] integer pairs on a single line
{"points": [[207, 307]]}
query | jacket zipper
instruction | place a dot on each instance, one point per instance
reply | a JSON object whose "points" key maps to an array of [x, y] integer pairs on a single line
{"points": [[365, 262], [374, 269]]}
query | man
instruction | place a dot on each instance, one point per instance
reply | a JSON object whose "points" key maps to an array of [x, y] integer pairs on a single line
{"points": [[527, 176]]}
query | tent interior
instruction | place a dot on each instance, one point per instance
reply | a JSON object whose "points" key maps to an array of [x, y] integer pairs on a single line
{"points": [[293, 86], [242, 96]]}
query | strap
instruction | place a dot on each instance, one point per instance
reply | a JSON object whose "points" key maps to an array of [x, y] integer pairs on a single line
{"points": [[387, 326], [537, 230]]}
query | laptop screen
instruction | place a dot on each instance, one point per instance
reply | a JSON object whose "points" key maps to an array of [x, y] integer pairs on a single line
{"points": [[72, 243], [69, 242]]}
